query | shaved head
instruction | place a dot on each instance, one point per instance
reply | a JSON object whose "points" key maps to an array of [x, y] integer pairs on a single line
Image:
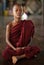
{"points": [[17, 10]]}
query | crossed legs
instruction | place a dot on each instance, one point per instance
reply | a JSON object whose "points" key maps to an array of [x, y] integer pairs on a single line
{"points": [[16, 58]]}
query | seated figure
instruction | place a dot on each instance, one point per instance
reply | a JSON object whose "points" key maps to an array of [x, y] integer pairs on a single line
{"points": [[18, 37]]}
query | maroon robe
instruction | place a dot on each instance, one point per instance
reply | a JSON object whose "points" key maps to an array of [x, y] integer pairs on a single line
{"points": [[20, 36]]}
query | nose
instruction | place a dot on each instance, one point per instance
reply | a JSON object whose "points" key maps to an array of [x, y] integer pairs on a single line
{"points": [[19, 12]]}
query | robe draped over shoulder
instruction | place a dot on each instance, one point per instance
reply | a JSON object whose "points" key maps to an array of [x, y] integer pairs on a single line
{"points": [[20, 36]]}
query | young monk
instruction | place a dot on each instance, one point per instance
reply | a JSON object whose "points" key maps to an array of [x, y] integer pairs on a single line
{"points": [[18, 37]]}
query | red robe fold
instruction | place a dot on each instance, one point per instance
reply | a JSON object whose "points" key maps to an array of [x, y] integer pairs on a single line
{"points": [[20, 36]]}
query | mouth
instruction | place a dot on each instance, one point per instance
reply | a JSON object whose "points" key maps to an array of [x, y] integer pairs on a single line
{"points": [[19, 15]]}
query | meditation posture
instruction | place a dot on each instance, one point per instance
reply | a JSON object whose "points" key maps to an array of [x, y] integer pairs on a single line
{"points": [[18, 37]]}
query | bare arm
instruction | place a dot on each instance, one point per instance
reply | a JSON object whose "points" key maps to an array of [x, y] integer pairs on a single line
{"points": [[7, 38]]}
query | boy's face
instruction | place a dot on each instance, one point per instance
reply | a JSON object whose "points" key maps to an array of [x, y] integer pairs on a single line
{"points": [[17, 11]]}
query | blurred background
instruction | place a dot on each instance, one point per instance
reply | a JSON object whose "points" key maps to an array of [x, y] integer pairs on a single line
{"points": [[34, 10], [33, 6]]}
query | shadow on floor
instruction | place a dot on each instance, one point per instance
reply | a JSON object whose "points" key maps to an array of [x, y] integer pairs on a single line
{"points": [[34, 61]]}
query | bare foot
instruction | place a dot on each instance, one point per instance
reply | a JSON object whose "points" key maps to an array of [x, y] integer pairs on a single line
{"points": [[14, 59]]}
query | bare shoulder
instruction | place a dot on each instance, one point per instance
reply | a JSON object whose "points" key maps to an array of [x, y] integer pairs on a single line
{"points": [[8, 25]]}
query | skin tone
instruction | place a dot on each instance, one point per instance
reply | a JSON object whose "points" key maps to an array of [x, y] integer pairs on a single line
{"points": [[17, 16]]}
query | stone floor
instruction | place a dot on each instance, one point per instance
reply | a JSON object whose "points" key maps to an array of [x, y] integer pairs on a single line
{"points": [[37, 40], [34, 61]]}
